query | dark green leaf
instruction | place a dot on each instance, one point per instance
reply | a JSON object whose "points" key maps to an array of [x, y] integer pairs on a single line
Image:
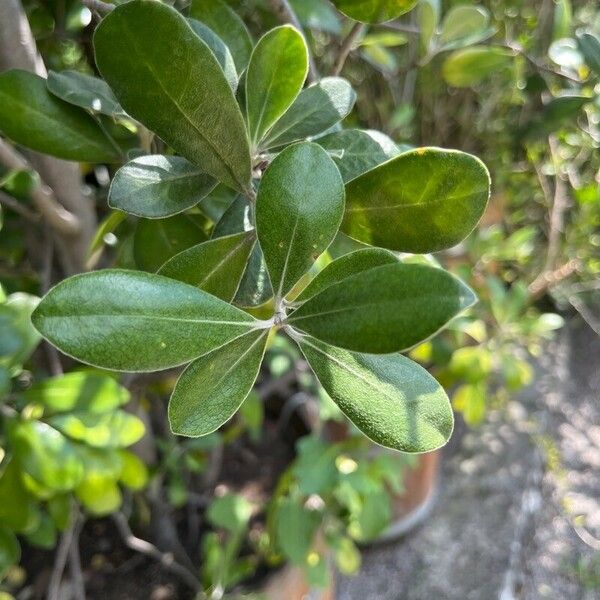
{"points": [[216, 266], [385, 309], [157, 240], [85, 91], [296, 527], [559, 112], [224, 21], [165, 76], [374, 11], [589, 46], [356, 151], [316, 109], [79, 391], [32, 117], [158, 186], [17, 509], [347, 265], [132, 321], [391, 399], [46, 455], [255, 287], [275, 76], [295, 219], [213, 387], [230, 512], [467, 67], [44, 535], [422, 201], [10, 551], [219, 49]]}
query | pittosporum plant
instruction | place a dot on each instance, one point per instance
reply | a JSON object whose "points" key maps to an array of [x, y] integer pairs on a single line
{"points": [[224, 116]]}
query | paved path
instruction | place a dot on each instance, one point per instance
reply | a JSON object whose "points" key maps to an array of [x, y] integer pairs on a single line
{"points": [[516, 498]]}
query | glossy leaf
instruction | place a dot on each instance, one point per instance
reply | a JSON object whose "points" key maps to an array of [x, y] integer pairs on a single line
{"points": [[356, 151], [385, 309], [166, 77], [213, 387], [374, 11], [46, 455], [276, 74], [467, 67], [345, 266], [84, 90], [391, 399], [589, 45], [157, 240], [295, 219], [32, 117], [219, 49], [255, 286], [464, 25], [316, 109], [111, 430], [133, 321], [216, 266], [225, 22], [421, 201], [94, 393], [158, 186]]}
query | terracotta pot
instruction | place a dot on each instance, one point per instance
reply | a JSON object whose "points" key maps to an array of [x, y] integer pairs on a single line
{"points": [[412, 506], [289, 583]]}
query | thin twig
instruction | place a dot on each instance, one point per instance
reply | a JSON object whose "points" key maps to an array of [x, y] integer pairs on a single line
{"points": [[56, 215], [144, 547], [100, 7], [78, 585], [60, 560], [286, 14], [347, 46], [19, 208]]}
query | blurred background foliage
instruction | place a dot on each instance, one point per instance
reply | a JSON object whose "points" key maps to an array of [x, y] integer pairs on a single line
{"points": [[516, 82]]}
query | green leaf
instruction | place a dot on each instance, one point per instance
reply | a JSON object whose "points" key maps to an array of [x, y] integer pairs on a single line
{"points": [[356, 151], [16, 505], [225, 22], [316, 109], [255, 286], [212, 388], [385, 309], [85, 91], [345, 266], [295, 219], [429, 17], [589, 46], [134, 473], [116, 429], [44, 535], [296, 527], [275, 76], [467, 67], [391, 399], [99, 494], [560, 112], [10, 551], [421, 201], [216, 266], [464, 25], [219, 49], [32, 117], [230, 512], [157, 240], [46, 455], [94, 393], [374, 11], [166, 77], [132, 321], [469, 400], [158, 186], [15, 315]]}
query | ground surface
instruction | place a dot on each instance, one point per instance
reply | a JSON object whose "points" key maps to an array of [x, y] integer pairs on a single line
{"points": [[516, 498]]}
